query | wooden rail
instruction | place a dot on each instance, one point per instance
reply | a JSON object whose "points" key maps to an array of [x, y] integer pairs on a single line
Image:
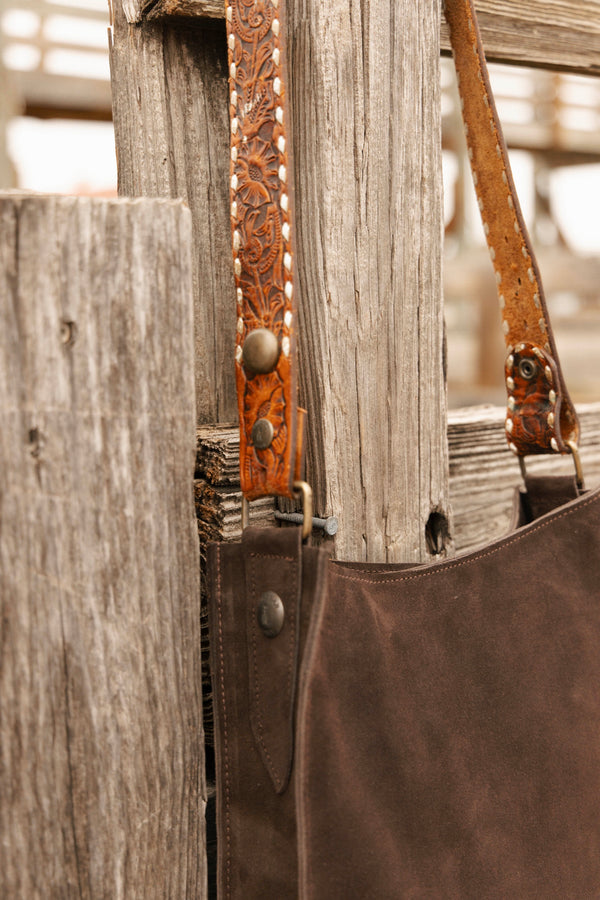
{"points": [[556, 34], [483, 475]]}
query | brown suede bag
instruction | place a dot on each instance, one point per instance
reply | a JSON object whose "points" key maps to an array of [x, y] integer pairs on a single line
{"points": [[389, 731], [423, 732]]}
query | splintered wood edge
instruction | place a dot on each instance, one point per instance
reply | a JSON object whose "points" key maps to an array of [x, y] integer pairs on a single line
{"points": [[541, 33]]}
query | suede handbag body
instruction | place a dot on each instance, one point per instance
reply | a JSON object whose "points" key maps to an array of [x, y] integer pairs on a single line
{"points": [[390, 731]]}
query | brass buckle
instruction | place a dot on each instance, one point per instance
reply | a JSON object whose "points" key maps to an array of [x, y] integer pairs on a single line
{"points": [[576, 461], [304, 490]]}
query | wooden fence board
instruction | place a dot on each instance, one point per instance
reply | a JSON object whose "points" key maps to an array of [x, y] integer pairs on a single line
{"points": [[554, 34], [484, 474], [558, 34], [171, 129], [101, 744], [368, 180]]}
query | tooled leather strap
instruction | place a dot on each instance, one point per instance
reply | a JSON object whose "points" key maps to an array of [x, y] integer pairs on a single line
{"points": [[541, 417], [263, 250]]}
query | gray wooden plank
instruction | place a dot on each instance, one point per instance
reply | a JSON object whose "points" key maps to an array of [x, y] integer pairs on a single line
{"points": [[561, 34], [101, 750], [368, 177], [484, 474], [368, 180], [554, 34], [171, 128]]}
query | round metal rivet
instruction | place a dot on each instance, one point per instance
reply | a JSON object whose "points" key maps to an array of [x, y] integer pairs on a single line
{"points": [[262, 434], [260, 351], [527, 368], [270, 614]]}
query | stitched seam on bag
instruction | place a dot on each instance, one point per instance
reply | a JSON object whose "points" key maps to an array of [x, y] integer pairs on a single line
{"points": [[271, 556], [305, 716], [429, 572], [259, 721], [295, 618], [225, 738], [294, 560]]}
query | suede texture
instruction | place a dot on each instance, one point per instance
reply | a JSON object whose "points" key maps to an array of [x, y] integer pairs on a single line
{"points": [[446, 720], [449, 740], [254, 696]]}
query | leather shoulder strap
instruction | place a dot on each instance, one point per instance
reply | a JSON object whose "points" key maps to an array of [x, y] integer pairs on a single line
{"points": [[263, 250], [541, 417]]}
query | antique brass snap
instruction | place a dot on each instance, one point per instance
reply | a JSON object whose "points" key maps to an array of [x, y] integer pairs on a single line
{"points": [[262, 434], [260, 351], [270, 614]]}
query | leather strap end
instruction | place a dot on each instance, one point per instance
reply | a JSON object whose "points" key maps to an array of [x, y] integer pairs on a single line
{"points": [[263, 248], [536, 421], [269, 470], [541, 417]]}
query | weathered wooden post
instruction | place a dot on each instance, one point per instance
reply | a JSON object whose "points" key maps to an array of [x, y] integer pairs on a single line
{"points": [[101, 751], [171, 126]]}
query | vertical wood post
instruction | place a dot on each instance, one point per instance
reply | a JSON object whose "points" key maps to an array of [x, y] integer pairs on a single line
{"points": [[101, 750], [367, 123], [169, 82]]}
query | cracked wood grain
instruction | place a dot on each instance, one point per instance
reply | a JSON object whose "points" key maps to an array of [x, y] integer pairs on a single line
{"points": [[169, 85], [558, 34], [368, 180], [101, 749]]}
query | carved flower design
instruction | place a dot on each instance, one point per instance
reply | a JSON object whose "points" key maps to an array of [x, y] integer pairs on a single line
{"points": [[261, 253], [264, 399], [257, 172]]}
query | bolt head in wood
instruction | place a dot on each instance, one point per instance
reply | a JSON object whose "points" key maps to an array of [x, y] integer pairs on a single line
{"points": [[262, 434], [260, 351]]}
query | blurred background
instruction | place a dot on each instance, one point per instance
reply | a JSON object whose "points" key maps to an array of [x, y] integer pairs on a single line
{"points": [[55, 109], [56, 136]]}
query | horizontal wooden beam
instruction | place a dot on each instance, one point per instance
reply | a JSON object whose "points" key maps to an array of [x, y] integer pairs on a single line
{"points": [[552, 34], [138, 10], [483, 475], [555, 34]]}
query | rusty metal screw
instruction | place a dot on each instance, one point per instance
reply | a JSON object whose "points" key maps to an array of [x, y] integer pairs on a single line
{"points": [[328, 525]]}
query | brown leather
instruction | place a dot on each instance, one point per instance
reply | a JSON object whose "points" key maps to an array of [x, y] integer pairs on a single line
{"points": [[446, 727], [262, 238], [256, 813], [542, 494], [544, 422]]}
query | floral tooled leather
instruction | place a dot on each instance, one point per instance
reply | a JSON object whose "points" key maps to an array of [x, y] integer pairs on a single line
{"points": [[525, 317], [263, 256], [532, 421]]}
